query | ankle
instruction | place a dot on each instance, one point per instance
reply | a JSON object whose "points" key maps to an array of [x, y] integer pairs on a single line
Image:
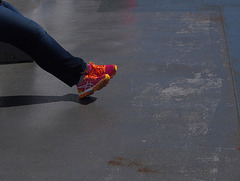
{"points": [[85, 72], [81, 79]]}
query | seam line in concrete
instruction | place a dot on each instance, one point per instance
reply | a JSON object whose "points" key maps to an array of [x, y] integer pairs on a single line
{"points": [[230, 66], [236, 96]]}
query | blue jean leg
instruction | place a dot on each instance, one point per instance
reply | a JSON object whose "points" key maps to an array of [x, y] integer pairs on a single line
{"points": [[11, 7], [30, 37]]}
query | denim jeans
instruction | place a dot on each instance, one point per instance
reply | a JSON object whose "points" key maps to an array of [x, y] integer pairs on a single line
{"points": [[31, 38]]}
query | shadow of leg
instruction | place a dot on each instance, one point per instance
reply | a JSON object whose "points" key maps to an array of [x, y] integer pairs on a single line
{"points": [[21, 100]]}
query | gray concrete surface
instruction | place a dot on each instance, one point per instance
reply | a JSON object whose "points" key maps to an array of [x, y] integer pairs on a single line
{"points": [[170, 113]]}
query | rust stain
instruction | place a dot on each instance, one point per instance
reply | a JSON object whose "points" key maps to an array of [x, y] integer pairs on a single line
{"points": [[216, 19], [145, 170], [119, 158], [115, 163], [134, 164], [238, 148], [93, 138], [123, 162]]}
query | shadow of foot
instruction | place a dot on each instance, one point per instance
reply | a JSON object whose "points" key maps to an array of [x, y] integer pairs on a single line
{"points": [[22, 100]]}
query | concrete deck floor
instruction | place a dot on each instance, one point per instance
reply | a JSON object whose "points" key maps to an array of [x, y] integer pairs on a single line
{"points": [[170, 113]]}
